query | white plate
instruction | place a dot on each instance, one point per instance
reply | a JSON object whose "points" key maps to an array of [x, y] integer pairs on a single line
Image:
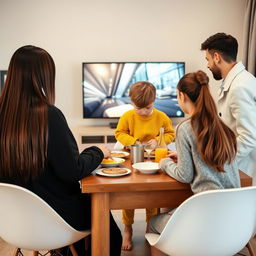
{"points": [[146, 167], [99, 172], [125, 154], [118, 159]]}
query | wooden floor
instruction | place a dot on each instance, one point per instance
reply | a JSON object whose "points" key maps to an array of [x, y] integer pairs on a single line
{"points": [[140, 248]]}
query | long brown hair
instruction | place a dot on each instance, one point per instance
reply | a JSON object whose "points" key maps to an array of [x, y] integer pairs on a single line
{"points": [[28, 90], [216, 143]]}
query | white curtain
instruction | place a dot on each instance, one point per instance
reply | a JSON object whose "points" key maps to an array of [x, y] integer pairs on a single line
{"points": [[249, 58]]}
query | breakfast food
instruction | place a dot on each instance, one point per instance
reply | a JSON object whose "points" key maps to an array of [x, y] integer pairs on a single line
{"points": [[112, 161], [109, 161], [118, 154], [114, 170]]}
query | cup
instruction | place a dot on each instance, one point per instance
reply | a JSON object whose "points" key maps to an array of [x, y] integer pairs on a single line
{"points": [[160, 153], [137, 153]]}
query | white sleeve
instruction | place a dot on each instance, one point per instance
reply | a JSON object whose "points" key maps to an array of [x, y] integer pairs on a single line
{"points": [[243, 109]]}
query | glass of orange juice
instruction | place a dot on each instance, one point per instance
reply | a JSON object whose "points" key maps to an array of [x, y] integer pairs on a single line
{"points": [[160, 153]]}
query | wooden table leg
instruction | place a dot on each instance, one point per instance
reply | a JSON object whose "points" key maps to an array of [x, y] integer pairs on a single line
{"points": [[100, 224]]}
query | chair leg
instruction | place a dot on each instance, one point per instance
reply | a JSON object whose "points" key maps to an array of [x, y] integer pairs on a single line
{"points": [[16, 252], [250, 248], [73, 250], [87, 241]]}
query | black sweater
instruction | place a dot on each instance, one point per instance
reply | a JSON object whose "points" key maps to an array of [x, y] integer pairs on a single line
{"points": [[59, 184]]}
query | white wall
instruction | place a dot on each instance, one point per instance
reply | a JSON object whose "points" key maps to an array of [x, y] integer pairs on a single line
{"points": [[73, 31]]}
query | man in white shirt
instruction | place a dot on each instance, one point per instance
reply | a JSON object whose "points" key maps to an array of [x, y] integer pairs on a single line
{"points": [[237, 96]]}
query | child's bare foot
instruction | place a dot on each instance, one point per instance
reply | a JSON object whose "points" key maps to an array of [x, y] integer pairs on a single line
{"points": [[127, 239]]}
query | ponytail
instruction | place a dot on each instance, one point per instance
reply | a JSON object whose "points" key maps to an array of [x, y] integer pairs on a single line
{"points": [[216, 143]]}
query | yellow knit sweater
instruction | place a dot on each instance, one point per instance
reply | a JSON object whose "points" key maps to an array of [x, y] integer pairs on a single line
{"points": [[132, 127]]}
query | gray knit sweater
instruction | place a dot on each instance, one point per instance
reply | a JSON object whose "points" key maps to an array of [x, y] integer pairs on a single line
{"points": [[190, 168]]}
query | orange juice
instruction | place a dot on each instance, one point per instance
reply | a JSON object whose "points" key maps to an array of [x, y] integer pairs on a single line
{"points": [[160, 153]]}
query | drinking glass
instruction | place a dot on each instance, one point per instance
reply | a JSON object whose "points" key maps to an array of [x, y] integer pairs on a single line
{"points": [[148, 148], [137, 153]]}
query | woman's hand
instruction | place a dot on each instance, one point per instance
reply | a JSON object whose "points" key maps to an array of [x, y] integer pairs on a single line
{"points": [[173, 155], [106, 151]]}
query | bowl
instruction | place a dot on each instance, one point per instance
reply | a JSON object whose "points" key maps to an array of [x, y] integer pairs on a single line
{"points": [[115, 161], [146, 167]]}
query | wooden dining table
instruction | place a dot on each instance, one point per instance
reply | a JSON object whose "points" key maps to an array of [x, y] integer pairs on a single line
{"points": [[132, 191]]}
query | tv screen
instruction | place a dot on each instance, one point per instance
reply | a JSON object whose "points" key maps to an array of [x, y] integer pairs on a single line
{"points": [[106, 86]]}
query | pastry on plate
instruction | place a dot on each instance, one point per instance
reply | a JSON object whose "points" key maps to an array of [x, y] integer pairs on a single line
{"points": [[114, 171], [118, 154]]}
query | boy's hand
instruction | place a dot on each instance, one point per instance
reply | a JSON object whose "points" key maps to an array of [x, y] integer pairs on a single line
{"points": [[152, 143]]}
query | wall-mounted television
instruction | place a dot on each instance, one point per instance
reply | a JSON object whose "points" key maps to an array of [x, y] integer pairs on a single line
{"points": [[106, 86]]}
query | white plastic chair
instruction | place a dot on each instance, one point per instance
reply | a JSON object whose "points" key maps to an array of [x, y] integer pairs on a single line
{"points": [[28, 222], [212, 223]]}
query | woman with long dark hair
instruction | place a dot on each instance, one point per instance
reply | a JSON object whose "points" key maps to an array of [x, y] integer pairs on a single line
{"points": [[37, 148], [206, 147]]}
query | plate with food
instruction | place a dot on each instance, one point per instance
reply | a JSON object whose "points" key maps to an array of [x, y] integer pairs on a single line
{"points": [[119, 153], [112, 162], [113, 171]]}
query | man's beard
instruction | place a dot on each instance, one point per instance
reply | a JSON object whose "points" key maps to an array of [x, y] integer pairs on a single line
{"points": [[216, 72]]}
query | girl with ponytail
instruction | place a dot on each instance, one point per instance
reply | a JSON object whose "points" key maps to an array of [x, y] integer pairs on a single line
{"points": [[215, 142], [206, 147]]}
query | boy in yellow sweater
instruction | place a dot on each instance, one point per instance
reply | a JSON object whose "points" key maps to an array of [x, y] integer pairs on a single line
{"points": [[137, 126]]}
